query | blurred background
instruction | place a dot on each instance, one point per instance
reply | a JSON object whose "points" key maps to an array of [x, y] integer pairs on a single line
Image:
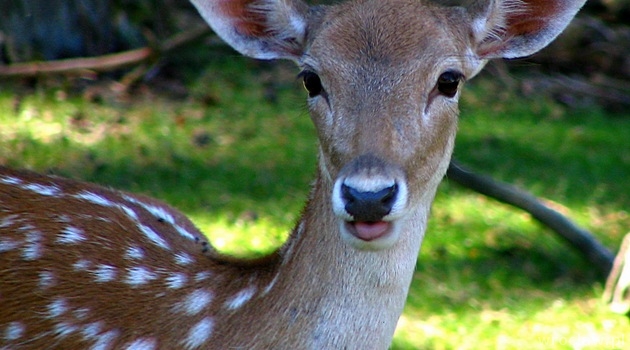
{"points": [[141, 96]]}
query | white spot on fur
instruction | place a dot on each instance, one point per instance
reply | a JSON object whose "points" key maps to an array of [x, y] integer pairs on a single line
{"points": [[176, 280], [183, 232], [240, 298], [10, 180], [142, 344], [134, 253], [94, 198], [104, 273], [33, 248], [156, 211], [153, 236], [81, 313], [183, 259], [66, 219], [9, 220], [14, 331], [46, 279], [104, 341], [92, 330], [81, 265], [57, 308], [44, 190], [195, 302], [199, 333], [202, 276], [130, 212], [160, 213], [64, 329], [6, 245], [71, 235], [139, 275]]}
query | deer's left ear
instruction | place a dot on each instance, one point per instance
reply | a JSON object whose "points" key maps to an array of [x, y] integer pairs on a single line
{"points": [[263, 29], [518, 28]]}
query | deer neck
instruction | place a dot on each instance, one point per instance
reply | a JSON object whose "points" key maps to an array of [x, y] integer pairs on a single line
{"points": [[348, 296]]}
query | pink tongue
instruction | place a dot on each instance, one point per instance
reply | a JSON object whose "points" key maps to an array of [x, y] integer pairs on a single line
{"points": [[368, 231]]}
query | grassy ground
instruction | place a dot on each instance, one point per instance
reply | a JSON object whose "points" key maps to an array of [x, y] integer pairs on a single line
{"points": [[237, 153]]}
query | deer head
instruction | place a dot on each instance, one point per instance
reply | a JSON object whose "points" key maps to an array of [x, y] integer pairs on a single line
{"points": [[383, 81]]}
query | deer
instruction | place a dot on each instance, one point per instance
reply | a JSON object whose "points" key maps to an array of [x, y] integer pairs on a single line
{"points": [[87, 267]]}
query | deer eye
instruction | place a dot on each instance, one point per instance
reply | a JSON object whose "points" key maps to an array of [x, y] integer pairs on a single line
{"points": [[312, 83], [448, 82]]}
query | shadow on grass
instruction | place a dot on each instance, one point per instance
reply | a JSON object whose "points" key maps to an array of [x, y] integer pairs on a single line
{"points": [[578, 157], [190, 183], [576, 177]]}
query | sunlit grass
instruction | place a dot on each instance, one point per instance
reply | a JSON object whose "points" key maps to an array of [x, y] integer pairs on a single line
{"points": [[260, 236], [238, 155]]}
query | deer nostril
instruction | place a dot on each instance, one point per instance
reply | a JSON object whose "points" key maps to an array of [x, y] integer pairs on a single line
{"points": [[367, 205], [390, 196]]}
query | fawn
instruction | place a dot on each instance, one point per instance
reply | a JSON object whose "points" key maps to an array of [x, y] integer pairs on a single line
{"points": [[85, 267]]}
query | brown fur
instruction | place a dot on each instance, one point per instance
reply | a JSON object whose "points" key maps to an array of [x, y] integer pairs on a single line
{"points": [[82, 266]]}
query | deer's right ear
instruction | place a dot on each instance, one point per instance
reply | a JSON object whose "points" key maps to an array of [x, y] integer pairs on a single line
{"points": [[263, 29]]}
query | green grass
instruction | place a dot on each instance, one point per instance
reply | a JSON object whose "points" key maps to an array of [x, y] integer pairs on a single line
{"points": [[238, 153]]}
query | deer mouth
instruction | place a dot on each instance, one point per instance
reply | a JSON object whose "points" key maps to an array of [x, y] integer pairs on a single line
{"points": [[370, 235], [368, 230], [369, 197]]}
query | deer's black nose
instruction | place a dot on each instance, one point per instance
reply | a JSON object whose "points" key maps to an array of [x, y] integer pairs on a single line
{"points": [[367, 206]]}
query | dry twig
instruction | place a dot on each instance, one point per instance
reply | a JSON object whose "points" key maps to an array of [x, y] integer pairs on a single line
{"points": [[102, 63]]}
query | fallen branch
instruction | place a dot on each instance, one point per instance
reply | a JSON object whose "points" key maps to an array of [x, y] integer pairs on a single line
{"points": [[577, 237], [604, 89], [77, 65], [102, 63]]}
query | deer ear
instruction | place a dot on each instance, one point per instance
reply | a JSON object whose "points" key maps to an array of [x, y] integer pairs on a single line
{"points": [[518, 28], [263, 29]]}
